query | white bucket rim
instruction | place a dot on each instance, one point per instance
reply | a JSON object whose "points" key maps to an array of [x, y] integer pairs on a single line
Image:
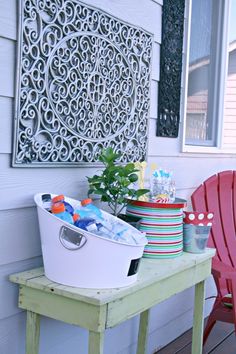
{"points": [[143, 241]]}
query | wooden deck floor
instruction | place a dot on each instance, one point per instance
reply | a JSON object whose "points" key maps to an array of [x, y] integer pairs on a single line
{"points": [[222, 340]]}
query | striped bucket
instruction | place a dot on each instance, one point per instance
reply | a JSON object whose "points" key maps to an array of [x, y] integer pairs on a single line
{"points": [[163, 225]]}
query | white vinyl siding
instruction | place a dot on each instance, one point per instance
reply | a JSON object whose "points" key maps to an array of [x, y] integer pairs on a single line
{"points": [[20, 247]]}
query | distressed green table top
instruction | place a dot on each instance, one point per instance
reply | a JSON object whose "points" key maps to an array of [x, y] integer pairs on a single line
{"points": [[99, 309], [150, 271]]}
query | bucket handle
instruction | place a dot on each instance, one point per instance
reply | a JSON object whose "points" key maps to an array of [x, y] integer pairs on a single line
{"points": [[75, 238]]}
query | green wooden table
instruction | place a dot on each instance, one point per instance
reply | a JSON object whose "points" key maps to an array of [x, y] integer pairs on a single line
{"points": [[98, 309]]}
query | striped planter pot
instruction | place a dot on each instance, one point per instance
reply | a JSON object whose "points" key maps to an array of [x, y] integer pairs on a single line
{"points": [[163, 225]]}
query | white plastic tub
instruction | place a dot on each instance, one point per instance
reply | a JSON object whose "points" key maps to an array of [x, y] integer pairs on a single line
{"points": [[79, 258]]}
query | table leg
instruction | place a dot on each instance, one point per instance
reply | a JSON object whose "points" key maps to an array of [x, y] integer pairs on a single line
{"points": [[96, 340], [197, 338], [32, 332], [143, 332]]}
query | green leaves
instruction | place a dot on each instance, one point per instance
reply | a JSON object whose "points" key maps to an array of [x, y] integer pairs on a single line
{"points": [[108, 156], [133, 178], [140, 192], [114, 184]]}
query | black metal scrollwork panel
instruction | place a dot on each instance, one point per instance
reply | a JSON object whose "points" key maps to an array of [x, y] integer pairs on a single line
{"points": [[83, 85], [170, 68]]}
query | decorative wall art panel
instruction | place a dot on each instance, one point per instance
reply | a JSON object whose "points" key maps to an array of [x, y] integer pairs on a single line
{"points": [[83, 85]]}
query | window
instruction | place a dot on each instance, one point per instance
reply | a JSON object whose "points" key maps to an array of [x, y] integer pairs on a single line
{"points": [[210, 104]]}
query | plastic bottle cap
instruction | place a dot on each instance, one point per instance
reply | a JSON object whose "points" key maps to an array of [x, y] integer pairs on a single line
{"points": [[58, 208], [76, 217], [58, 198], [86, 201]]}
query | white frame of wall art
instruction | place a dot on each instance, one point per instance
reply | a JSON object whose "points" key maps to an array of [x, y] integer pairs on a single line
{"points": [[83, 84]]}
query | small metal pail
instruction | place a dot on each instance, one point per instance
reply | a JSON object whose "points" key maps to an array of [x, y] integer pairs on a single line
{"points": [[195, 238]]}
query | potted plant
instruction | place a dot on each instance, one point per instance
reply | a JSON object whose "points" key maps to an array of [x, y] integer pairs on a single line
{"points": [[115, 184]]}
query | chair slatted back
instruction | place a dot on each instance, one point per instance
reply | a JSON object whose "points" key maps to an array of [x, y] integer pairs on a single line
{"points": [[218, 195], [227, 213]]}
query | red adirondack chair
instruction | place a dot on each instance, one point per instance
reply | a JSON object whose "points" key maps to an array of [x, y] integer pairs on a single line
{"points": [[218, 195]]}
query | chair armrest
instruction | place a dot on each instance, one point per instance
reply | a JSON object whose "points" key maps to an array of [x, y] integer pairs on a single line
{"points": [[222, 270]]}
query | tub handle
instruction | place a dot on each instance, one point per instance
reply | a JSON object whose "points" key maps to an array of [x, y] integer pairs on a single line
{"points": [[70, 239]]}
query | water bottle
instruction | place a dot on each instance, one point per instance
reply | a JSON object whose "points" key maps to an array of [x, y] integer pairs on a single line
{"points": [[59, 210], [61, 199], [87, 224], [116, 230], [47, 202], [113, 230], [89, 209], [103, 231], [123, 234]]}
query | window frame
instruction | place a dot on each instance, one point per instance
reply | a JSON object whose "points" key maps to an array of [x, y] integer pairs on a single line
{"points": [[217, 96]]}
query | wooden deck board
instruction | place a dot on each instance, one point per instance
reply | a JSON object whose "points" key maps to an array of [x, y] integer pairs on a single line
{"points": [[228, 346], [182, 345]]}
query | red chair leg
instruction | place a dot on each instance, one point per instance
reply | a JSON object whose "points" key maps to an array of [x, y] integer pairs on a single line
{"points": [[233, 291], [210, 324]]}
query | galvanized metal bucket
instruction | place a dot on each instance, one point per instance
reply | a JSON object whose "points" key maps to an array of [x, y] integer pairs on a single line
{"points": [[195, 237]]}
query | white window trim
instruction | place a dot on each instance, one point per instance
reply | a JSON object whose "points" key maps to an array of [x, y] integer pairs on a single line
{"points": [[223, 62]]}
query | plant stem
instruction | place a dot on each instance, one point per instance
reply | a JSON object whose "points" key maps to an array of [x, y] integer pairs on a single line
{"points": [[112, 207], [116, 205], [121, 208]]}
